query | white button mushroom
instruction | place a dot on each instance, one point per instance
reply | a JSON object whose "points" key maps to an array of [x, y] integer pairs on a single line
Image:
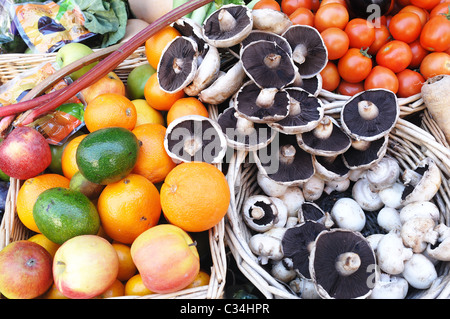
{"points": [[392, 196], [347, 214], [281, 272], [383, 174], [389, 287], [366, 198], [420, 209], [313, 188], [417, 232], [392, 254], [441, 249], [388, 218], [293, 199], [267, 245], [419, 272], [305, 288]]}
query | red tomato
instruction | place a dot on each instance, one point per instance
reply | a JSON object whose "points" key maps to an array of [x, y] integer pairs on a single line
{"points": [[435, 63], [409, 83], [289, 6], [331, 15], [395, 55], [361, 33], [426, 4], [381, 78], [325, 2], [330, 77], [350, 89], [418, 53], [267, 4], [355, 65], [421, 13], [382, 36], [336, 41], [441, 8], [302, 16], [435, 34], [405, 26]]}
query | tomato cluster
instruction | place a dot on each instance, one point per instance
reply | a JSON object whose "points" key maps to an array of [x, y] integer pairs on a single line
{"points": [[397, 51]]}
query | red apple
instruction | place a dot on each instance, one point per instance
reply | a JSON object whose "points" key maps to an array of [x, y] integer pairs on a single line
{"points": [[25, 270], [110, 83], [24, 153]]}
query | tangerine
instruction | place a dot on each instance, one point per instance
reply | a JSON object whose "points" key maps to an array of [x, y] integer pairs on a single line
{"points": [[53, 293], [110, 109], [129, 207], [157, 98], [127, 268], [202, 279], [30, 191], [154, 46], [68, 158], [153, 161], [117, 289], [186, 106], [135, 287], [195, 196]]}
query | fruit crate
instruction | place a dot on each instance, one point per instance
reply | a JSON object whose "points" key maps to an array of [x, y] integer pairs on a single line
{"points": [[12, 229], [415, 136]]}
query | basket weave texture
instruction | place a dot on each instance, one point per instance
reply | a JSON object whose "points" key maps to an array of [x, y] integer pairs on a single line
{"points": [[408, 143], [12, 229]]}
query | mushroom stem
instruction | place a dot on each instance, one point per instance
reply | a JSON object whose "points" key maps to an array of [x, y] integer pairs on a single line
{"points": [[347, 263], [266, 97], [192, 145], [299, 53], [411, 177], [272, 60], [294, 107], [243, 125], [177, 65], [287, 154], [368, 110], [226, 20], [324, 128], [360, 145], [257, 212]]}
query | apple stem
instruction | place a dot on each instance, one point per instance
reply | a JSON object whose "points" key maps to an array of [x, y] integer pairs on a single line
{"points": [[194, 243], [112, 61]]}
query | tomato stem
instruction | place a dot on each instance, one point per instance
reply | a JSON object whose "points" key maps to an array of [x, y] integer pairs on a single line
{"points": [[365, 52]]}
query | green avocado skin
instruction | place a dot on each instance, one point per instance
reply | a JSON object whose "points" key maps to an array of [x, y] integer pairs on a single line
{"points": [[107, 155], [61, 213]]}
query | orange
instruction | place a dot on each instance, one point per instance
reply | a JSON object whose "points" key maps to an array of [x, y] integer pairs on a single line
{"points": [[129, 207], [147, 114], [68, 159], [53, 293], [195, 196], [157, 98], [135, 287], [267, 4], [153, 162], [50, 246], [117, 289], [202, 279], [155, 45], [110, 109], [29, 192], [186, 106], [127, 268]]}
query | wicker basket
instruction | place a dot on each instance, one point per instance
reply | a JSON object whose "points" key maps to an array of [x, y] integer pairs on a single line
{"points": [[408, 143], [12, 229]]}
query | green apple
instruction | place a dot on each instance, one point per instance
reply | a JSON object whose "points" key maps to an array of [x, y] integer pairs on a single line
{"points": [[70, 53], [136, 81]]}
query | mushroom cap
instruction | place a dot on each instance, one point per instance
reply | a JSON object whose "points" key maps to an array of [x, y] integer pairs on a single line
{"points": [[362, 158], [312, 85], [331, 168], [267, 64], [305, 112], [191, 29], [228, 26], [266, 19], [195, 138], [256, 35], [326, 139], [178, 64], [284, 161], [261, 105], [297, 242], [259, 212], [243, 134], [370, 114], [330, 246], [309, 51], [427, 185]]}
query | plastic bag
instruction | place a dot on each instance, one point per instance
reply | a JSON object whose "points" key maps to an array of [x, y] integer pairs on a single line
{"points": [[45, 27]]}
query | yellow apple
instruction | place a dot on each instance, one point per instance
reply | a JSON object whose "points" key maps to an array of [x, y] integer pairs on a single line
{"points": [[25, 270], [85, 266], [166, 258], [110, 83]]}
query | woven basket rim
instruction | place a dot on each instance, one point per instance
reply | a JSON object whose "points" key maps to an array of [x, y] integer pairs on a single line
{"points": [[11, 228]]}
